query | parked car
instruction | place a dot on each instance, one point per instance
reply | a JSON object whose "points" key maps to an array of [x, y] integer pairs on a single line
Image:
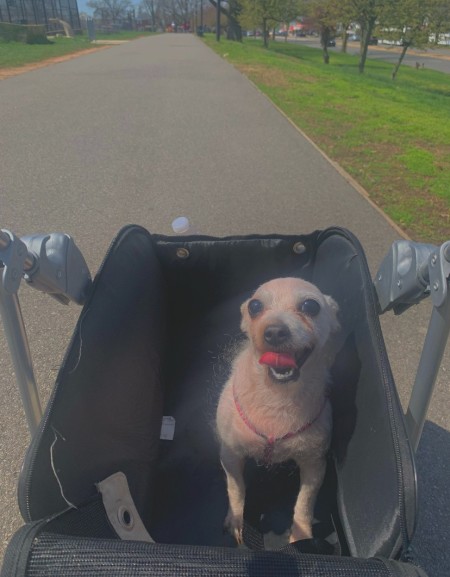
{"points": [[332, 42], [373, 41]]}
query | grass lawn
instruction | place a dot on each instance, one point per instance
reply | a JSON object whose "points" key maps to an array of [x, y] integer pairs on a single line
{"points": [[13, 54], [393, 137], [123, 35]]}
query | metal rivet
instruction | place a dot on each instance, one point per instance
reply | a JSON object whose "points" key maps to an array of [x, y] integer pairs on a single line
{"points": [[436, 286], [299, 248], [434, 260], [125, 518], [182, 253], [399, 284]]}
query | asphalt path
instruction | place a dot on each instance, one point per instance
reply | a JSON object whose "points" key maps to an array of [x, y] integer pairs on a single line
{"points": [[161, 127], [434, 59]]}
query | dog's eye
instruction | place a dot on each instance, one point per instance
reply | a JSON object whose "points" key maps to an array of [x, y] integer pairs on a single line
{"points": [[310, 307], [255, 307]]}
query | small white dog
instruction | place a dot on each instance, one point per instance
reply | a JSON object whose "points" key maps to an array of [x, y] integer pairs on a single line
{"points": [[274, 406]]}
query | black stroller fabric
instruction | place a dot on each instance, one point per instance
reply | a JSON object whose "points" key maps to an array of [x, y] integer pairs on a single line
{"points": [[45, 554], [155, 338]]}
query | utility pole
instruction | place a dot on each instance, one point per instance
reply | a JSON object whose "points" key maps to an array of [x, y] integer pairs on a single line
{"points": [[218, 21]]}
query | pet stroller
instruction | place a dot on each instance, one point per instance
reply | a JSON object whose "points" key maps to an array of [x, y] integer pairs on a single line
{"points": [[123, 475]]}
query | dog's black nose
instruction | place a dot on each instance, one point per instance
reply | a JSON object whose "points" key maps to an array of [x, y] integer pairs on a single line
{"points": [[276, 334]]}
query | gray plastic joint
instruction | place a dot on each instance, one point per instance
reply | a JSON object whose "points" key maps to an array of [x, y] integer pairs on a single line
{"points": [[15, 258], [439, 271], [403, 277], [60, 270]]}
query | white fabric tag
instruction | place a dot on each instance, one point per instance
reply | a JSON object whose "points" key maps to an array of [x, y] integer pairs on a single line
{"points": [[167, 428]]}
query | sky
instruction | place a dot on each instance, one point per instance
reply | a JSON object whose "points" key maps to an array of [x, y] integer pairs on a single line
{"points": [[82, 7]]}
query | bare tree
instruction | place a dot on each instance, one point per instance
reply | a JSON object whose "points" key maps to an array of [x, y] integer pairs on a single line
{"points": [[113, 10], [151, 7]]}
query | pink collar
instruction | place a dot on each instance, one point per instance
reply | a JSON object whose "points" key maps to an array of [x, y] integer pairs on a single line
{"points": [[271, 440]]}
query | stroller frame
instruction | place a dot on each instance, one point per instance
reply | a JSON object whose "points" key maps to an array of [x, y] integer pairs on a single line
{"points": [[409, 273]]}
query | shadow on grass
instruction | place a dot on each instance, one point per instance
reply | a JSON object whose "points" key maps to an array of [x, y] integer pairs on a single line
{"points": [[41, 42]]}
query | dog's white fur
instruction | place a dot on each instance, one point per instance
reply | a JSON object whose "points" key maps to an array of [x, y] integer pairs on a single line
{"points": [[277, 408]]}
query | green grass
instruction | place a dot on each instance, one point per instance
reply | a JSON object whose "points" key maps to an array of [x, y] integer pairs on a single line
{"points": [[14, 54], [392, 136], [123, 35]]}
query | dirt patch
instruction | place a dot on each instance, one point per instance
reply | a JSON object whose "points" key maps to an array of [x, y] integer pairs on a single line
{"points": [[8, 72], [265, 75]]}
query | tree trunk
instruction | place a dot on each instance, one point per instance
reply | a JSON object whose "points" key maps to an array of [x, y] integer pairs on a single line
{"points": [[437, 35], [345, 26], [366, 35], [325, 35], [400, 60], [265, 34], [234, 30]]}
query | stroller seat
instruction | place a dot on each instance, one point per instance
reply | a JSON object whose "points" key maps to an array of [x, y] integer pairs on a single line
{"points": [[155, 339]]}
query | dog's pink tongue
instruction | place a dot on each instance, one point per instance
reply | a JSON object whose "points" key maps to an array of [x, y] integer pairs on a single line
{"points": [[278, 360]]}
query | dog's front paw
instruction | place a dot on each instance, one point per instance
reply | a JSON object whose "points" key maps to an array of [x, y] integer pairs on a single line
{"points": [[234, 523], [300, 531]]}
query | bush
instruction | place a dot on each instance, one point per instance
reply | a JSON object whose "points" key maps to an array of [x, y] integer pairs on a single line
{"points": [[19, 33]]}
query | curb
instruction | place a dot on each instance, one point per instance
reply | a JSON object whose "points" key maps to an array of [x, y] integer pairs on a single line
{"points": [[355, 184]]}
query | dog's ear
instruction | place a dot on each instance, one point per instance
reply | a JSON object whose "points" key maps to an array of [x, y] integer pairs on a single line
{"points": [[334, 342], [334, 309], [244, 316]]}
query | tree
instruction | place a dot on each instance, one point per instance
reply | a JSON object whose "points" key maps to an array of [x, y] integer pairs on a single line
{"points": [[232, 11], [162, 13], [367, 12], [151, 7], [345, 15], [405, 22], [324, 14], [267, 13], [113, 10], [438, 18]]}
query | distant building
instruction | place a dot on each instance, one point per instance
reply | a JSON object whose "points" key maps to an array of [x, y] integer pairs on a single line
{"points": [[40, 12]]}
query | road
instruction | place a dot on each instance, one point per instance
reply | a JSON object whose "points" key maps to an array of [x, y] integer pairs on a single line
{"points": [[160, 127], [438, 59]]}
